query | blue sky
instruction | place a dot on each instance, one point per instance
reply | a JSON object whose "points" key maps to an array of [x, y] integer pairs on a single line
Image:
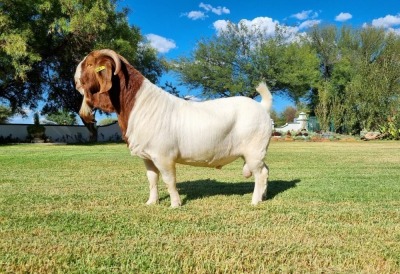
{"points": [[174, 27]]}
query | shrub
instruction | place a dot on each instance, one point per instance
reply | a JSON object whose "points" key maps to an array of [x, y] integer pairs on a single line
{"points": [[391, 129], [36, 130]]}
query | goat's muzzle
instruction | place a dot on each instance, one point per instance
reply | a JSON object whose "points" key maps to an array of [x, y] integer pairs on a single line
{"points": [[86, 112]]}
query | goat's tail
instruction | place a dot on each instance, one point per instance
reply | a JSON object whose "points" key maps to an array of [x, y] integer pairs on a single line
{"points": [[266, 96]]}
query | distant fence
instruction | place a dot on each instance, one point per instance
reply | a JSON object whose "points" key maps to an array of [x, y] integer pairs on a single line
{"points": [[60, 133]]}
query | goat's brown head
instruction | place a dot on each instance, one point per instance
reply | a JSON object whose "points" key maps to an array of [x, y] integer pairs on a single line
{"points": [[93, 79]]}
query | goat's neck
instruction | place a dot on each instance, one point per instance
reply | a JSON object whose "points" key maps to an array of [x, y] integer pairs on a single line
{"points": [[130, 82]]}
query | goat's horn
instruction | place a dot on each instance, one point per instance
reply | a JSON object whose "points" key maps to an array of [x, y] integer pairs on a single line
{"points": [[114, 56]]}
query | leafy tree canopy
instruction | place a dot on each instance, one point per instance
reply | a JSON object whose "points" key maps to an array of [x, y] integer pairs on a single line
{"points": [[350, 77], [42, 41], [237, 59], [5, 114], [62, 117], [359, 85]]}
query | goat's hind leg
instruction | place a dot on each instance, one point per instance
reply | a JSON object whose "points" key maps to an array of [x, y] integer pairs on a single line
{"points": [[152, 175], [260, 172]]}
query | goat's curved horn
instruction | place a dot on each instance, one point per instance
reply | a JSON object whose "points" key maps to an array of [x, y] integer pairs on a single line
{"points": [[114, 56]]}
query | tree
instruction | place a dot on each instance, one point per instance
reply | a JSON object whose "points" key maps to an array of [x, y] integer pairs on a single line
{"points": [[62, 117], [289, 113], [291, 65], [17, 54], [220, 65], [54, 37], [170, 88], [374, 91], [103, 28], [36, 130], [237, 59], [322, 109], [5, 114], [275, 117], [325, 42], [107, 121], [359, 81], [299, 69]]}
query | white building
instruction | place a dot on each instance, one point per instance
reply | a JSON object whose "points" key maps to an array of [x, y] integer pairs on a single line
{"points": [[299, 123]]}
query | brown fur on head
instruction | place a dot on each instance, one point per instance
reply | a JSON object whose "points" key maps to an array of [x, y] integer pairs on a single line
{"points": [[93, 79], [102, 89]]}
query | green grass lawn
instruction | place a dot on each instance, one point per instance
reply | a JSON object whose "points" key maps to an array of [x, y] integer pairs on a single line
{"points": [[332, 207]]}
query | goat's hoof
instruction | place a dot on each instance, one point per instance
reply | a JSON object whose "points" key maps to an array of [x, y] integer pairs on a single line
{"points": [[152, 202], [175, 205], [255, 203]]}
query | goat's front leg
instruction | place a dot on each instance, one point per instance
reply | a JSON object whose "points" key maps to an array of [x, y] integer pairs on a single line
{"points": [[152, 175], [168, 173]]}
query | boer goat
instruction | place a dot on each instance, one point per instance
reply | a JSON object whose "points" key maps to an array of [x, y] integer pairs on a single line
{"points": [[164, 130]]}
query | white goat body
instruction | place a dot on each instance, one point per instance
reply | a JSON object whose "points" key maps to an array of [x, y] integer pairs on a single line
{"points": [[210, 133], [164, 130]]}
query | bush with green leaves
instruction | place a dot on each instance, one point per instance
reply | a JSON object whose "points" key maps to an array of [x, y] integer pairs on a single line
{"points": [[36, 130], [391, 129]]}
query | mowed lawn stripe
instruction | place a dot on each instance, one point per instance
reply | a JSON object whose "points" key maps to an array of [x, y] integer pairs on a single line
{"points": [[332, 207]]}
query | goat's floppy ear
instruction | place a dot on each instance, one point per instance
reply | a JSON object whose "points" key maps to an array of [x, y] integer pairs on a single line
{"points": [[104, 75]]}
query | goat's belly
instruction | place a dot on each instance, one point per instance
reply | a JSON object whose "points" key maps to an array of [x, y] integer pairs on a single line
{"points": [[215, 163]]}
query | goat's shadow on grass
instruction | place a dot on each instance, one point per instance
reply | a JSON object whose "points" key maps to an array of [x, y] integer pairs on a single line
{"points": [[206, 188]]}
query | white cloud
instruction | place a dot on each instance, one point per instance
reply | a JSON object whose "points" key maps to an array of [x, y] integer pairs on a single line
{"points": [[198, 14], [161, 44], [268, 26], [207, 7], [302, 15], [308, 24], [221, 10], [218, 10], [343, 16], [265, 24], [395, 31], [195, 15], [390, 22], [220, 25], [387, 22]]}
